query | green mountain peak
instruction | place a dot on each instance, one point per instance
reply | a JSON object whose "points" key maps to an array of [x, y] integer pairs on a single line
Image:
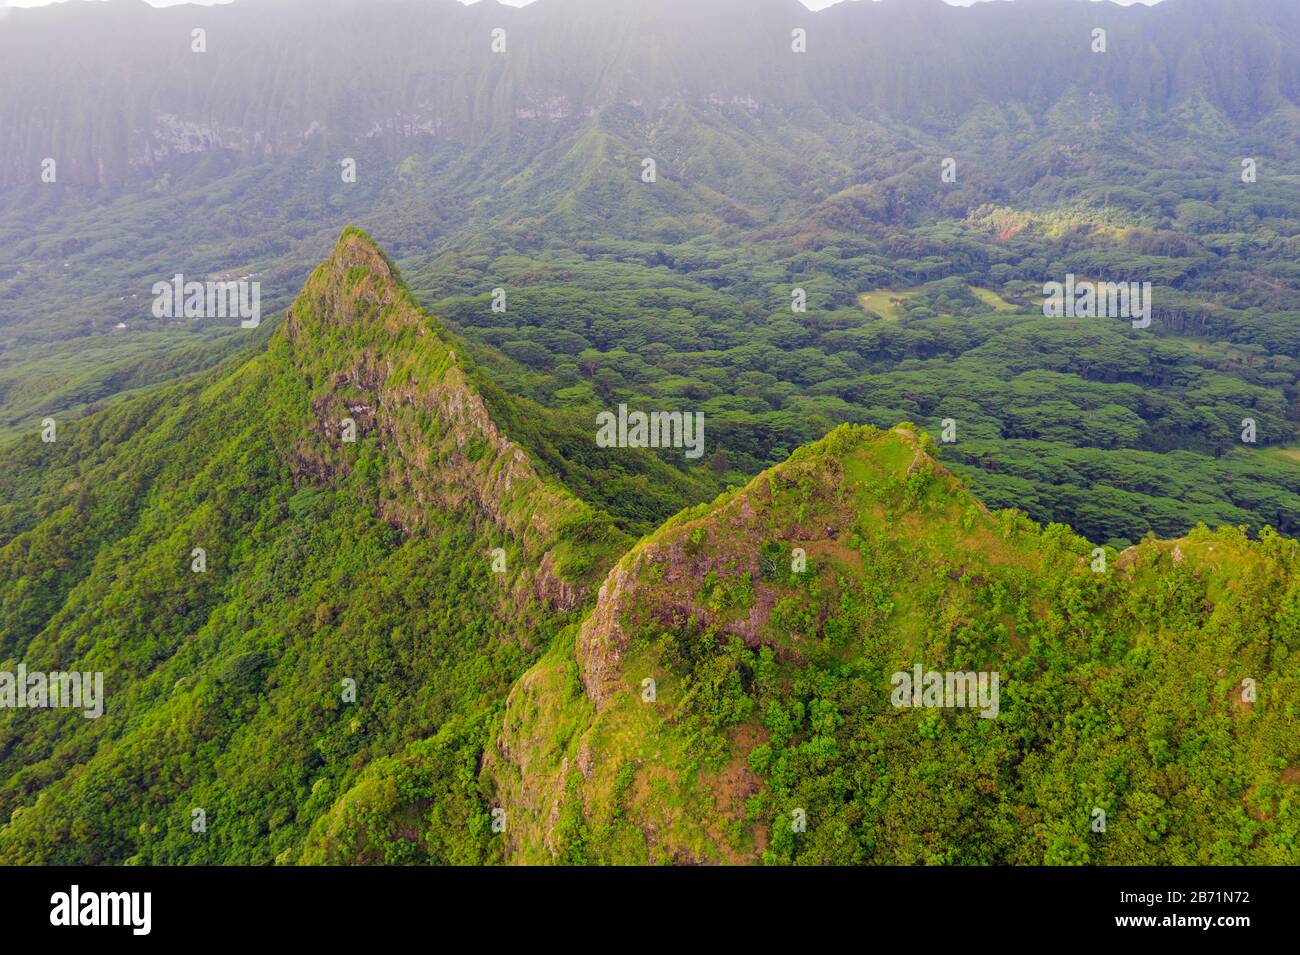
{"points": [[366, 353], [743, 662]]}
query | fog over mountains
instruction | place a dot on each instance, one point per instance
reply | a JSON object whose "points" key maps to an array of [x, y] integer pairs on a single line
{"points": [[115, 89]]}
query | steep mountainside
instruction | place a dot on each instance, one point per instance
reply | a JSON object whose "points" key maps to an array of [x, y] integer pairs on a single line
{"points": [[427, 561], [730, 696]]}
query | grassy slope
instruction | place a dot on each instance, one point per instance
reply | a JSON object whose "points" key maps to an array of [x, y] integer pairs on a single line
{"points": [[1120, 690]]}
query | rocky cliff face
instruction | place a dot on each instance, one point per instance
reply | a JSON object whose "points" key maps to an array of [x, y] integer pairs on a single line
{"points": [[377, 368], [661, 576], [262, 592]]}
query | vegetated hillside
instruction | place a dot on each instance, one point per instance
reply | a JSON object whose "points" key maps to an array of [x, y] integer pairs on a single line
{"points": [[388, 639], [1124, 691], [323, 561]]}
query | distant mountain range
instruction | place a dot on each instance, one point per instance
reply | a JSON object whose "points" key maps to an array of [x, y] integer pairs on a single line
{"points": [[115, 91]]}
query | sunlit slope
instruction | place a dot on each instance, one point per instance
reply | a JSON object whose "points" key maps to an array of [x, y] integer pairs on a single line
{"points": [[1124, 695]]}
